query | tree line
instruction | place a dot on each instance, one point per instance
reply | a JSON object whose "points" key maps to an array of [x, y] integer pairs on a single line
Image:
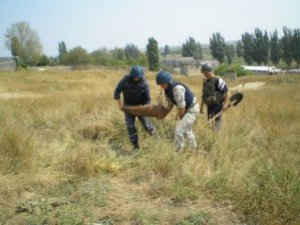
{"points": [[259, 47]]}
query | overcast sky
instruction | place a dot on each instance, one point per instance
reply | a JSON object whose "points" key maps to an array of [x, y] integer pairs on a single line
{"points": [[114, 23]]}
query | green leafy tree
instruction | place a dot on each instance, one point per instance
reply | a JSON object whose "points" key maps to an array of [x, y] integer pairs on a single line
{"points": [[287, 46], [44, 61], [296, 44], [16, 48], [78, 57], [266, 48], [166, 51], [217, 47], [191, 48], [23, 42], [131, 51], [261, 47], [230, 53], [199, 52], [62, 52], [102, 57], [153, 54], [118, 54], [275, 51], [248, 48], [239, 49]]}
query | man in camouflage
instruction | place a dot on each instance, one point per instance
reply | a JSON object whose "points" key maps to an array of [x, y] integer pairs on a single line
{"points": [[214, 95]]}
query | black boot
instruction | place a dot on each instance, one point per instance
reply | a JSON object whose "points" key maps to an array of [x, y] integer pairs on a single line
{"points": [[136, 147]]}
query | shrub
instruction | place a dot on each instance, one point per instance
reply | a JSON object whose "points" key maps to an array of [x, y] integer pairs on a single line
{"points": [[221, 70], [16, 151]]}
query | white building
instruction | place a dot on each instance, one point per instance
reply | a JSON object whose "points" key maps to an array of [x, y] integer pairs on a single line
{"points": [[263, 69], [187, 65], [8, 63]]}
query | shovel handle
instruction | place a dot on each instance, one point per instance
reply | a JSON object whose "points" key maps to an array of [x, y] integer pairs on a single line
{"points": [[219, 113]]}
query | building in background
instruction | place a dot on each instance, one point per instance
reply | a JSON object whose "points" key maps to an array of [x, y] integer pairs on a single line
{"points": [[187, 65], [8, 63], [263, 69]]}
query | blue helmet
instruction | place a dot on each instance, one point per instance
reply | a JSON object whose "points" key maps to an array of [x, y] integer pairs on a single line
{"points": [[163, 77], [136, 71]]}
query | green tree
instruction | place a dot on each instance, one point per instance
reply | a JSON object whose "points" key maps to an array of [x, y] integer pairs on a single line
{"points": [[78, 57], [153, 54], [118, 54], [239, 49], [296, 46], [16, 48], [275, 51], [62, 52], [261, 47], [44, 61], [131, 51], [266, 48], [248, 47], [217, 47], [230, 53], [166, 51], [191, 48], [102, 57], [23, 42], [287, 46]]}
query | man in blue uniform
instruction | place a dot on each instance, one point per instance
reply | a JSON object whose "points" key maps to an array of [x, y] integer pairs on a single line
{"points": [[135, 91], [188, 109], [214, 95]]}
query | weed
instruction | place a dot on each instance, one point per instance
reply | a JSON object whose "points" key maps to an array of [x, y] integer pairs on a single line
{"points": [[200, 218]]}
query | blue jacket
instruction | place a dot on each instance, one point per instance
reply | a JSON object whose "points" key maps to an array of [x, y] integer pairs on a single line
{"points": [[133, 93], [189, 96]]}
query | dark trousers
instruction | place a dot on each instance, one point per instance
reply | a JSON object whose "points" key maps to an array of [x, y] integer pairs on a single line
{"points": [[212, 111], [131, 129]]}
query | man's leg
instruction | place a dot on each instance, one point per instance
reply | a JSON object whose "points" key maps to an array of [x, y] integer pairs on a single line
{"points": [[131, 129], [147, 125], [185, 127], [179, 135], [192, 115], [211, 112]]}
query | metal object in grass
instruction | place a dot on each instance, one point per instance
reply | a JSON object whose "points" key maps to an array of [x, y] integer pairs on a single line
{"points": [[235, 99]]}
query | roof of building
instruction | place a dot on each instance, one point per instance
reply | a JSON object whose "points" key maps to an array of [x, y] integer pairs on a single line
{"points": [[5, 59], [261, 68]]}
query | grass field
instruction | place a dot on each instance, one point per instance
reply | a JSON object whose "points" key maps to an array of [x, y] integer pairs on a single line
{"points": [[65, 156]]}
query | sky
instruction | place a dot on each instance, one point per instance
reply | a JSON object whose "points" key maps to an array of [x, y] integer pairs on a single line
{"points": [[93, 24]]}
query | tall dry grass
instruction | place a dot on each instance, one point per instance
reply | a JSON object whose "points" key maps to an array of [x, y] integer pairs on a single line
{"points": [[63, 128]]}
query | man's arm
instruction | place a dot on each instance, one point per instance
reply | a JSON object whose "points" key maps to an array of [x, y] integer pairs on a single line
{"points": [[181, 112], [224, 90], [117, 93], [120, 104], [179, 96]]}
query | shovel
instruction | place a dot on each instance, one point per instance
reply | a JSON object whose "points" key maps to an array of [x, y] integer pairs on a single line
{"points": [[235, 99]]}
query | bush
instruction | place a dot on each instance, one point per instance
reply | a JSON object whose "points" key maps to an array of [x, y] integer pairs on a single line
{"points": [[16, 152], [221, 70]]}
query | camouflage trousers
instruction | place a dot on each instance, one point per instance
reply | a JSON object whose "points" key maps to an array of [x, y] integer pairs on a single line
{"points": [[184, 128]]}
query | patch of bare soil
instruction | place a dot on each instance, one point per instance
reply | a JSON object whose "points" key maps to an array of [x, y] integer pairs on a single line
{"points": [[17, 95], [130, 202], [248, 86]]}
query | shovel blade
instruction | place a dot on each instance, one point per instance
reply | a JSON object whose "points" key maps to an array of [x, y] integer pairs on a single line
{"points": [[236, 98]]}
